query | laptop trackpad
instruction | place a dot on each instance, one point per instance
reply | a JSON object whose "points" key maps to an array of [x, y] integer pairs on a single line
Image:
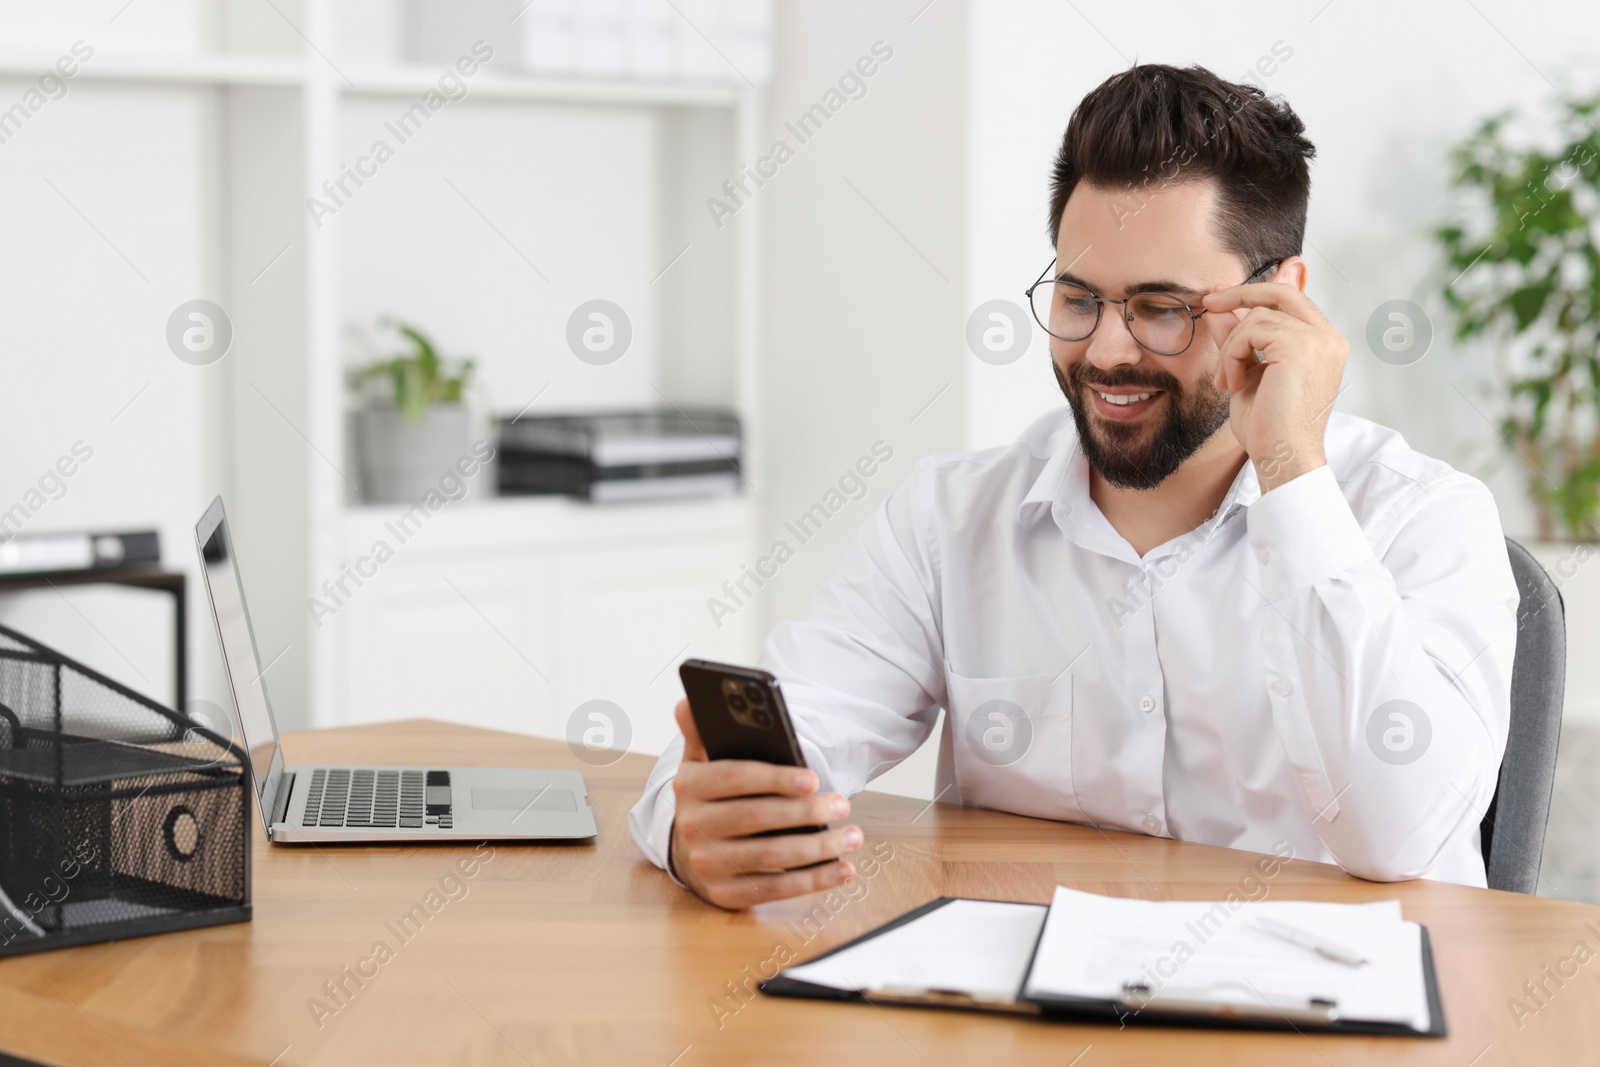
{"points": [[485, 799]]}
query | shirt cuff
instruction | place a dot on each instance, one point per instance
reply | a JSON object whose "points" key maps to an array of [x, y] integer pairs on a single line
{"points": [[1303, 532], [650, 825]]}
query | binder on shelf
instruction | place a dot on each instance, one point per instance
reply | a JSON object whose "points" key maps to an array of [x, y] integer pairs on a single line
{"points": [[1091, 958], [48, 553], [627, 438], [617, 456], [548, 474]]}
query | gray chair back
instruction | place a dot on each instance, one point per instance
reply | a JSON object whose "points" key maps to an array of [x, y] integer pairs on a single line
{"points": [[1513, 828]]}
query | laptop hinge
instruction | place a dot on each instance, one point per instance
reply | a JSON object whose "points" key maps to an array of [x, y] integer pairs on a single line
{"points": [[280, 803]]}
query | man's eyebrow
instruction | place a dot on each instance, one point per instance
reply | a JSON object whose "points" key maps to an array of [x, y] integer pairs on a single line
{"points": [[1158, 286]]}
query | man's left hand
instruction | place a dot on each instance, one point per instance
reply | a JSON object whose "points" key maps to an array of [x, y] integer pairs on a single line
{"points": [[1281, 401]]}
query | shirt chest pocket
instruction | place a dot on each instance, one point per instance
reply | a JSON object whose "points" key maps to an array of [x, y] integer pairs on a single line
{"points": [[1012, 742]]}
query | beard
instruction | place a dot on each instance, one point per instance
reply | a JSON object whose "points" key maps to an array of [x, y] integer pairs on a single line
{"points": [[1136, 456]]}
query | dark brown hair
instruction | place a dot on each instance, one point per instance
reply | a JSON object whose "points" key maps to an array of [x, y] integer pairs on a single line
{"points": [[1152, 124]]}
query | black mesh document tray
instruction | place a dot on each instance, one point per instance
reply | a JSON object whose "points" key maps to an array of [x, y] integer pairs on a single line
{"points": [[118, 817]]}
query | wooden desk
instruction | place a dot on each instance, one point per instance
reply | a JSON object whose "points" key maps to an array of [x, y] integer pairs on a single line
{"points": [[562, 954]]}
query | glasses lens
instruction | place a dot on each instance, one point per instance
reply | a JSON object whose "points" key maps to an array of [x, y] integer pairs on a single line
{"points": [[1162, 324], [1065, 311]]}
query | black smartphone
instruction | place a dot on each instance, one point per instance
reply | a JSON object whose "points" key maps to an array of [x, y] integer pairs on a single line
{"points": [[740, 714]]}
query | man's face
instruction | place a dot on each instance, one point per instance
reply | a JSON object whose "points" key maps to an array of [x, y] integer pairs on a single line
{"points": [[1113, 242]]}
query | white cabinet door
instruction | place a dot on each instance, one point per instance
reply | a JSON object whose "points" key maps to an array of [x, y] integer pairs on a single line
{"points": [[467, 641], [520, 640], [629, 616]]}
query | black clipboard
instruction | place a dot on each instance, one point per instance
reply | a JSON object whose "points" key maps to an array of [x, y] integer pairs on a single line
{"points": [[1091, 1010]]}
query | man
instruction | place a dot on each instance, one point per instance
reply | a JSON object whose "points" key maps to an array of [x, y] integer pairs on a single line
{"points": [[1201, 605]]}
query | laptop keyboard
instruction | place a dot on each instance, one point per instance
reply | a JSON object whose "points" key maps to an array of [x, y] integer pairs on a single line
{"points": [[370, 797]]}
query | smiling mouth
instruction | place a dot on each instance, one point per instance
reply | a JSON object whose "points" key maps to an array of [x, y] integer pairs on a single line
{"points": [[1124, 407]]}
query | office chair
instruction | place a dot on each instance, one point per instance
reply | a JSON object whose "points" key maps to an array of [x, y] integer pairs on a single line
{"points": [[1513, 829]]}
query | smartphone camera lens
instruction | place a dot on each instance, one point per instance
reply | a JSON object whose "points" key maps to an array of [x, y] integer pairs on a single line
{"points": [[763, 718], [736, 702], [753, 694]]}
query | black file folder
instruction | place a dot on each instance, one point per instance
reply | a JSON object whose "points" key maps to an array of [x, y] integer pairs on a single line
{"points": [[1137, 1007]]}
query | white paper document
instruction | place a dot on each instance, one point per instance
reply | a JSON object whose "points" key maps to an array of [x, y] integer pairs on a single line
{"points": [[1092, 946], [977, 947], [1364, 961]]}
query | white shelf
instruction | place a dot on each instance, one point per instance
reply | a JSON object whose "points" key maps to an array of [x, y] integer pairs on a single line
{"points": [[158, 69], [401, 80], [223, 69]]}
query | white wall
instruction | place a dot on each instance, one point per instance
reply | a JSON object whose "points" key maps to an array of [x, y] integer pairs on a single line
{"points": [[865, 247], [413, 246], [864, 307], [110, 211], [164, 26]]}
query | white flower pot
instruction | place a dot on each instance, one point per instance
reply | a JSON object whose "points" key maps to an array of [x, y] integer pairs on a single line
{"points": [[1575, 568], [402, 460]]}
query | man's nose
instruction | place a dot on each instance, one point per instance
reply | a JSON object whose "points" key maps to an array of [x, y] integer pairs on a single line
{"points": [[1112, 344]]}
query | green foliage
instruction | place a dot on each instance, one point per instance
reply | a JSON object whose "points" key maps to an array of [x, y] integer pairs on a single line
{"points": [[1526, 273], [412, 380]]}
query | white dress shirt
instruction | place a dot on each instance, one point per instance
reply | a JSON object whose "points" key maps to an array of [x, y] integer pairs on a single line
{"points": [[1326, 667]]}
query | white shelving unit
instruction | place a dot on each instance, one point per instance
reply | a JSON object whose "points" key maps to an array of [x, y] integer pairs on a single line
{"points": [[501, 612]]}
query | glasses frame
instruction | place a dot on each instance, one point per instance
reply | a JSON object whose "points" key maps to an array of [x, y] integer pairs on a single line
{"points": [[1101, 301]]}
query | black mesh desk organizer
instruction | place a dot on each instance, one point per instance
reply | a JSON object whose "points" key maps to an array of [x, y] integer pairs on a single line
{"points": [[118, 817]]}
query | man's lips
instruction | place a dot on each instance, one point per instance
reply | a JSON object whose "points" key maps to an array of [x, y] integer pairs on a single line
{"points": [[1128, 403]]}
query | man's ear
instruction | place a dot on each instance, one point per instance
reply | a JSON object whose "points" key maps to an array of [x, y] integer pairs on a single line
{"points": [[1294, 271]]}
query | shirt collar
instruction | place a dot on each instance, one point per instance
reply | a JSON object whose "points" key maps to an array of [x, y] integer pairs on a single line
{"points": [[1062, 489]]}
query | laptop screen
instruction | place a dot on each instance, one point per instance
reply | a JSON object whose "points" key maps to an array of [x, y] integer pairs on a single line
{"points": [[239, 656]]}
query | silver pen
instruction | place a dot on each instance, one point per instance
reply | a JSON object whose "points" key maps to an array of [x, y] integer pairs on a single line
{"points": [[1305, 939]]}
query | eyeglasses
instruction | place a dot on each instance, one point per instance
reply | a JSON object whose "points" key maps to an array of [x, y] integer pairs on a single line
{"points": [[1160, 322]]}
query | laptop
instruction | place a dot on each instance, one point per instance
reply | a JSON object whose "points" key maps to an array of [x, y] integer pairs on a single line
{"points": [[370, 802]]}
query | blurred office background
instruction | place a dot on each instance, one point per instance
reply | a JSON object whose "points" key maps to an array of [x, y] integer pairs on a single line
{"points": [[627, 151]]}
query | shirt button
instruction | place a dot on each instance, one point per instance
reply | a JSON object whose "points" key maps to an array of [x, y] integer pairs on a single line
{"points": [[1152, 824], [1147, 703], [1262, 555], [1282, 687]]}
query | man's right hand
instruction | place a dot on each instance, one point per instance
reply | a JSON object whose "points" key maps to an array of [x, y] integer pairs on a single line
{"points": [[721, 803]]}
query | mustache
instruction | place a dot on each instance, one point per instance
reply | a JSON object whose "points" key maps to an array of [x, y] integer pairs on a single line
{"points": [[1082, 374]]}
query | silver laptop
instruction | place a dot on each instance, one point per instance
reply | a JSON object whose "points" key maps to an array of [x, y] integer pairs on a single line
{"points": [[308, 802]]}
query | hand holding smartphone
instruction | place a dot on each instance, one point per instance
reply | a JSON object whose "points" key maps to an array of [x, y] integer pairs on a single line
{"points": [[750, 825], [740, 714]]}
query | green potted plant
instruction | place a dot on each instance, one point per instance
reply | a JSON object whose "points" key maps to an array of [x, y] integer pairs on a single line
{"points": [[412, 419], [1526, 273], [1523, 259]]}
